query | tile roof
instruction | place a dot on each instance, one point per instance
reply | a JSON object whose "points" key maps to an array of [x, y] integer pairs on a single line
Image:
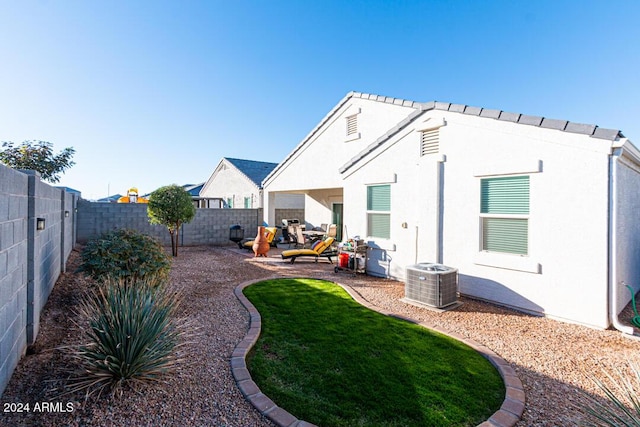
{"points": [[254, 170], [69, 189], [193, 189], [421, 107], [563, 125], [110, 199]]}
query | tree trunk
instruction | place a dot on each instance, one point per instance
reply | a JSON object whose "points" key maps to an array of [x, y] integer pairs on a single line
{"points": [[174, 242], [175, 250]]}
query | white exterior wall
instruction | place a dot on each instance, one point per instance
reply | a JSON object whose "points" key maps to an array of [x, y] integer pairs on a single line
{"points": [[627, 231], [315, 164], [318, 206], [565, 274], [289, 201]]}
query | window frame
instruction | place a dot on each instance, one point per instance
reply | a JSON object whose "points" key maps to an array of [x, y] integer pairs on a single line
{"points": [[372, 211], [502, 211]]}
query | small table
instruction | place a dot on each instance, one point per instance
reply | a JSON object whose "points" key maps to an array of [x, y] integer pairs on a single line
{"points": [[314, 235]]}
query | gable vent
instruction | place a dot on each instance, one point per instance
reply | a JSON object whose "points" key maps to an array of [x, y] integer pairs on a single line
{"points": [[352, 125], [429, 142]]}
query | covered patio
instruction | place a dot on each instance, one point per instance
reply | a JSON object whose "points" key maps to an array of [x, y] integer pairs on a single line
{"points": [[321, 206]]}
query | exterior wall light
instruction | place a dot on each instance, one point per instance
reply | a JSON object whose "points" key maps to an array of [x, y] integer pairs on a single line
{"points": [[66, 214], [40, 223]]}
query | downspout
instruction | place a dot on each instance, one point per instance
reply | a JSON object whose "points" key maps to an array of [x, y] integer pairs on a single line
{"points": [[439, 207], [613, 247], [415, 252]]}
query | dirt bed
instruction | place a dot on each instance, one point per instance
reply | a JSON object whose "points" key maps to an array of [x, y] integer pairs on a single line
{"points": [[549, 356]]}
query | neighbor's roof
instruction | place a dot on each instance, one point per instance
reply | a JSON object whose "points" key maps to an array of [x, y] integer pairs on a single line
{"points": [[193, 189], [69, 189], [254, 170], [110, 199], [421, 107]]}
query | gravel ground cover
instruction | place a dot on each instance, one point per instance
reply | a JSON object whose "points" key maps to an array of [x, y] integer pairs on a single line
{"points": [[550, 357]]}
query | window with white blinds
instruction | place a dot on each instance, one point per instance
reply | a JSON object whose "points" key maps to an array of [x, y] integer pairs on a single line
{"points": [[504, 214], [379, 211], [429, 142]]}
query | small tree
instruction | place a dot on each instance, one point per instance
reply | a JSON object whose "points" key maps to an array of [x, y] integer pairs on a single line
{"points": [[171, 206], [38, 156]]}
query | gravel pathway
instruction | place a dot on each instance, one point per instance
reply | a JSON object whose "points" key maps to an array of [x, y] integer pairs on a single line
{"points": [[550, 357]]}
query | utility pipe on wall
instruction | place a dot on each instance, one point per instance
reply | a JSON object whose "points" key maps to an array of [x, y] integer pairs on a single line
{"points": [[415, 252], [613, 244], [439, 207]]}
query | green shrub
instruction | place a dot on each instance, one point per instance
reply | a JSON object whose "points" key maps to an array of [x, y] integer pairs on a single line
{"points": [[133, 335], [125, 254]]}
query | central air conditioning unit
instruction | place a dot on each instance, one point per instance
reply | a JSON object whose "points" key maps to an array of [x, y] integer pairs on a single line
{"points": [[435, 285]]}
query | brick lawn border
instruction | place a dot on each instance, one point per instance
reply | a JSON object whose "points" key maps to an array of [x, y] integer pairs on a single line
{"points": [[507, 416]]}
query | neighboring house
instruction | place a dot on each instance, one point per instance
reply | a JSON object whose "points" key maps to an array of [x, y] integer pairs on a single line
{"points": [[71, 190], [238, 183], [202, 202], [193, 189], [537, 214], [110, 199]]}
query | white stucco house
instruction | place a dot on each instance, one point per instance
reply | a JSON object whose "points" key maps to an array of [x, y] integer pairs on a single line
{"points": [[538, 214], [238, 183]]}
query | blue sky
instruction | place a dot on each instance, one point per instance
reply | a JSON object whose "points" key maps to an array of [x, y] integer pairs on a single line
{"points": [[151, 93]]}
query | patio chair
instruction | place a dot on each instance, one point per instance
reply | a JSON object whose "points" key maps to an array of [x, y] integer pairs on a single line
{"points": [[291, 234], [322, 248], [270, 234], [301, 241]]}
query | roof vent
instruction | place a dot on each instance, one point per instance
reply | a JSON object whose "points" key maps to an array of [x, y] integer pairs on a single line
{"points": [[429, 142]]}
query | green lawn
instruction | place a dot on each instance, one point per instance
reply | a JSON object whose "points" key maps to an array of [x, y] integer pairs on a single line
{"points": [[330, 361]]}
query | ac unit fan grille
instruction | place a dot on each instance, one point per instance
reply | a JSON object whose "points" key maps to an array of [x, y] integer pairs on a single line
{"points": [[437, 290]]}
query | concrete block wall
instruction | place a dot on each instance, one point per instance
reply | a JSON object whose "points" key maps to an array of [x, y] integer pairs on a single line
{"points": [[13, 270], [47, 247], [211, 226], [68, 214], [291, 213], [208, 227], [97, 218], [31, 260]]}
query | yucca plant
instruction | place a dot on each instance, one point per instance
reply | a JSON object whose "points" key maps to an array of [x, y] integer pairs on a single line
{"points": [[133, 335], [623, 408]]}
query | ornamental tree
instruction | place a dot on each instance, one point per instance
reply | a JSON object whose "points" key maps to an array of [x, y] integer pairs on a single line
{"points": [[38, 156], [171, 206]]}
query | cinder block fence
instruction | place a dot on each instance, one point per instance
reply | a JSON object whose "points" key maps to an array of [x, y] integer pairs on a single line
{"points": [[208, 227], [37, 235]]}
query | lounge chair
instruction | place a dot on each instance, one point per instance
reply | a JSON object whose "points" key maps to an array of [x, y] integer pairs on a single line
{"points": [[322, 248], [270, 234]]}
